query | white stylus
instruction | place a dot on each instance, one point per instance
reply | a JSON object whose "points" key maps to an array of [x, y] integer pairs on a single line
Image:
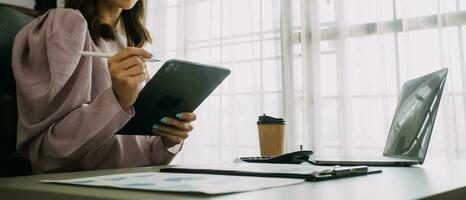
{"points": [[108, 55]]}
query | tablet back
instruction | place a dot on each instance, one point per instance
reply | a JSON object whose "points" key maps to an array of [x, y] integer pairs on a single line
{"points": [[178, 86]]}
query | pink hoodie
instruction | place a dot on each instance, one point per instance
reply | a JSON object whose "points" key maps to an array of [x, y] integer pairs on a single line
{"points": [[68, 114]]}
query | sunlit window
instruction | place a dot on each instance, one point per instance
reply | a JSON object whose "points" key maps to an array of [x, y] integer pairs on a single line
{"points": [[367, 50]]}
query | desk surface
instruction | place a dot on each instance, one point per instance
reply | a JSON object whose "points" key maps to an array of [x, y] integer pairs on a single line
{"points": [[437, 178]]}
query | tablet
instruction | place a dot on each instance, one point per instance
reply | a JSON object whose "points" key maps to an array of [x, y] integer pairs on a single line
{"points": [[178, 86]]}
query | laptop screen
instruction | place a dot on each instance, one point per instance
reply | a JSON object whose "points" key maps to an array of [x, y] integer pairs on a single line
{"points": [[415, 116]]}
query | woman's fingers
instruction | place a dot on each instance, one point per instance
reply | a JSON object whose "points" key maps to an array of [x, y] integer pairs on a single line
{"points": [[171, 131], [129, 52], [183, 125], [127, 71], [186, 116], [140, 78], [170, 140], [174, 131], [135, 70], [133, 66], [128, 63], [130, 67]]}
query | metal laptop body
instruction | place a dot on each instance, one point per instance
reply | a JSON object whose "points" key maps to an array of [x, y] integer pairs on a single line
{"points": [[411, 127]]}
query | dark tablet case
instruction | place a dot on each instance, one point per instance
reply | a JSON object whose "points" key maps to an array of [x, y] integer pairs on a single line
{"points": [[178, 86]]}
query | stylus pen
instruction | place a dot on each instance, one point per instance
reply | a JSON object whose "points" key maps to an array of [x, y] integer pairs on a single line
{"points": [[108, 55]]}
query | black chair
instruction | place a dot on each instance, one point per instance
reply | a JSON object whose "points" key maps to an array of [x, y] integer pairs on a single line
{"points": [[11, 163]]}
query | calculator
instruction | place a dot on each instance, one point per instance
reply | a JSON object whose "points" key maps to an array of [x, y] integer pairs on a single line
{"points": [[296, 157]]}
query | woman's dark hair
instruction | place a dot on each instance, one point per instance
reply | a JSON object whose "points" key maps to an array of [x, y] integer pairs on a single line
{"points": [[131, 20]]}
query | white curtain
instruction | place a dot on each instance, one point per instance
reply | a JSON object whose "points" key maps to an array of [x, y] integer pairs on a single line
{"points": [[242, 35], [355, 56], [332, 68]]}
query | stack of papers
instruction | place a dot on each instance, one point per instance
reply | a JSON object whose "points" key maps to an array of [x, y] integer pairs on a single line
{"points": [[179, 182]]}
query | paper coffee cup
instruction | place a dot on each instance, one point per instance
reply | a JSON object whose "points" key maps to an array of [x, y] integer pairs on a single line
{"points": [[271, 135]]}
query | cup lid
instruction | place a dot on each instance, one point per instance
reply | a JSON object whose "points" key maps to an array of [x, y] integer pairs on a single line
{"points": [[264, 119]]}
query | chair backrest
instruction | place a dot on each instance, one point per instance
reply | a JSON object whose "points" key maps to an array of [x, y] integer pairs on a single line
{"points": [[11, 163]]}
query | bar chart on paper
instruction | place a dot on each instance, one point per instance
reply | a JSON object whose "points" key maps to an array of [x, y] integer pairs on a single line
{"points": [[178, 182]]}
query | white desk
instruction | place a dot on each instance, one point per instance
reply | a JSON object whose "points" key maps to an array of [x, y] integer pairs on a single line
{"points": [[436, 179]]}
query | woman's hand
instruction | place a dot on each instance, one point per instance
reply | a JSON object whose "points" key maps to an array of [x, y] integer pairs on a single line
{"points": [[174, 131], [127, 70]]}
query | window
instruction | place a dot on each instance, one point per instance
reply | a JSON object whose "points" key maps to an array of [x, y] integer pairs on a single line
{"points": [[241, 35], [367, 50], [333, 68]]}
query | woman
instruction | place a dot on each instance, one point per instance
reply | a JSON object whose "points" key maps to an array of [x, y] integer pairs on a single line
{"points": [[70, 107]]}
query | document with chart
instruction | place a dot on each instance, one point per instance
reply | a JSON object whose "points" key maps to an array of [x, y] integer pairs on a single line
{"points": [[178, 182]]}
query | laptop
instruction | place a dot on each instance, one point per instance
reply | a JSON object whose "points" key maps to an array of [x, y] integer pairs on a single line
{"points": [[411, 126]]}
